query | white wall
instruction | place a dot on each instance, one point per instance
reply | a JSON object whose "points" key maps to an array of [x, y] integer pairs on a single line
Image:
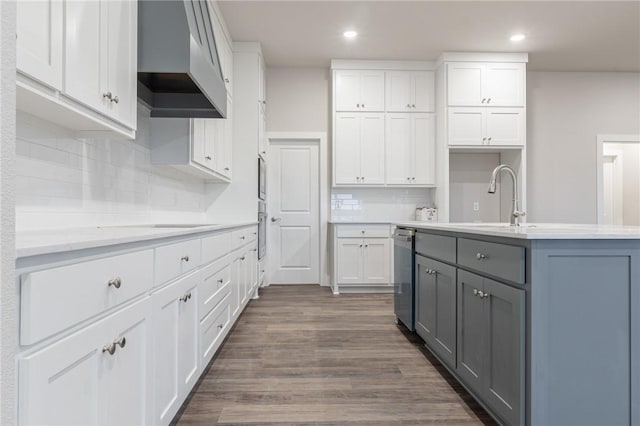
{"points": [[298, 99], [8, 300], [565, 113], [469, 176], [66, 182]]}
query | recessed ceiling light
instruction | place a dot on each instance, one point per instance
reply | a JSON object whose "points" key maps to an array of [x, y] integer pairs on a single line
{"points": [[517, 37], [350, 34]]}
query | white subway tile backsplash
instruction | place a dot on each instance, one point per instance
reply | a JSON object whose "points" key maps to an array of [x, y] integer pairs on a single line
{"points": [[378, 203], [63, 181]]}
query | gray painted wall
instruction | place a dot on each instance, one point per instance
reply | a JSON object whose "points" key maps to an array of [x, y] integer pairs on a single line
{"points": [[566, 110]]}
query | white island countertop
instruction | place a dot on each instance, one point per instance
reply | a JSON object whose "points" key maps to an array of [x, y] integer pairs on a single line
{"points": [[534, 231], [49, 241]]}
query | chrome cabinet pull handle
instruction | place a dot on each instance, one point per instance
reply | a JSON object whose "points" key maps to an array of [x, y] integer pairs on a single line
{"points": [[226, 80], [208, 157], [120, 342], [475, 292], [185, 258], [116, 282], [108, 95], [483, 100], [485, 295], [186, 297], [220, 281], [220, 326], [115, 99], [480, 256], [111, 348]]}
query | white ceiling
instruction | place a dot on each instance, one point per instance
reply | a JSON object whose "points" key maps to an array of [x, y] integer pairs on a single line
{"points": [[561, 35]]}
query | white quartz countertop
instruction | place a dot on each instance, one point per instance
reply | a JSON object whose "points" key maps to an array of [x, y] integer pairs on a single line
{"points": [[359, 222], [535, 231], [38, 242]]}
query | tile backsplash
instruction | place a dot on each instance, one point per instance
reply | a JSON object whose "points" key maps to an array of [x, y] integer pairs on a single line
{"points": [[63, 181], [378, 203]]}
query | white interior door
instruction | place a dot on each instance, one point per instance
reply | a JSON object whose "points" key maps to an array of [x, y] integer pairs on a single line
{"points": [[612, 176], [294, 213]]}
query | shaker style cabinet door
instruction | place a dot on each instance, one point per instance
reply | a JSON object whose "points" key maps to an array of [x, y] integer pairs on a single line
{"points": [[464, 84], [398, 91], [504, 126], [466, 126], [376, 263], [39, 42], [503, 84], [425, 299], [423, 158], [471, 330], [347, 90], [422, 91], [372, 149], [372, 91], [347, 149], [399, 144], [350, 260]]}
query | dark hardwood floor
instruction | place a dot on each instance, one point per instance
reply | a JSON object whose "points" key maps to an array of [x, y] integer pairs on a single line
{"points": [[300, 355]]}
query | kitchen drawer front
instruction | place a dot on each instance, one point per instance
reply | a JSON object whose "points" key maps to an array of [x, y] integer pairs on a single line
{"points": [[213, 329], [436, 246], [500, 260], [176, 259], [55, 299], [244, 236], [361, 231], [215, 246], [215, 285]]}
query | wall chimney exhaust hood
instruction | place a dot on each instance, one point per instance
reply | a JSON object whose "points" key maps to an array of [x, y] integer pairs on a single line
{"points": [[179, 74]]}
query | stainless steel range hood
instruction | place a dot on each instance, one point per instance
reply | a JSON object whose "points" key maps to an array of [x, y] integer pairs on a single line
{"points": [[179, 74]]}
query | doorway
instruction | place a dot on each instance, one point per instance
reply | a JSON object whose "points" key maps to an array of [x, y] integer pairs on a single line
{"points": [[618, 185], [294, 208]]}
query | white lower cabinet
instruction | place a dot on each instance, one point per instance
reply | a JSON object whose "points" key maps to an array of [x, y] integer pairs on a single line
{"points": [[139, 347], [362, 256], [97, 375], [175, 345]]}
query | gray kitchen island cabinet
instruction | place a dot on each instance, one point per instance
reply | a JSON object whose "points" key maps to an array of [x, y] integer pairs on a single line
{"points": [[547, 319]]}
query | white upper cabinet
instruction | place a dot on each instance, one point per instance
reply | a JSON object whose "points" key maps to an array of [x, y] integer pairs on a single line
{"points": [[39, 43], [409, 91], [359, 149], [85, 54], [485, 84], [223, 47], [359, 90], [486, 126], [410, 146]]}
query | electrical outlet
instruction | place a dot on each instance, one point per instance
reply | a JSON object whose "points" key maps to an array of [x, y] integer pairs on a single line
{"points": [[476, 206]]}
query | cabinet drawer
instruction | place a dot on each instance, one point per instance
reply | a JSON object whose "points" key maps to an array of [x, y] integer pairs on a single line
{"points": [[244, 236], [500, 260], [360, 231], [436, 246], [174, 260], [215, 285], [215, 246], [213, 329], [55, 299]]}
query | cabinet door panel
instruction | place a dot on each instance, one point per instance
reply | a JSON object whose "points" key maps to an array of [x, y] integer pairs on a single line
{"points": [[227, 154], [122, 59], [466, 126], [85, 56], [504, 84], [425, 300], [505, 334], [398, 91], [423, 158], [347, 149], [376, 260], [39, 29], [505, 126], [350, 261], [198, 140], [372, 149], [444, 327], [372, 90], [398, 147], [347, 90], [422, 88], [188, 328], [464, 84], [129, 368], [470, 330]]}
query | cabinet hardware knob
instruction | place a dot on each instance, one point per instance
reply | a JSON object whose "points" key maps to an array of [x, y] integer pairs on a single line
{"points": [[220, 281], [489, 139], [242, 238], [108, 95], [360, 245], [362, 177], [485, 295], [488, 100], [413, 105], [186, 297], [255, 249], [264, 102], [116, 282], [431, 272], [483, 100], [185, 258], [242, 258], [358, 105], [366, 245], [408, 105], [120, 342], [475, 292], [208, 157], [408, 178], [413, 178], [220, 326], [264, 152], [363, 231], [226, 168], [484, 140], [480, 294], [226, 80], [115, 99], [362, 105], [480, 256], [111, 348]]}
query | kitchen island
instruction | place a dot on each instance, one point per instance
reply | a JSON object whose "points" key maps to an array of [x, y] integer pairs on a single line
{"points": [[541, 323]]}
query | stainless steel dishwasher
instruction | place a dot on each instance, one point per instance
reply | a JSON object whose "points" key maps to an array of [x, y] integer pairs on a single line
{"points": [[403, 276]]}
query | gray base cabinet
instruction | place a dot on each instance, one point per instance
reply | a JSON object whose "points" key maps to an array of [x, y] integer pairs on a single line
{"points": [[436, 307], [491, 336], [541, 332]]}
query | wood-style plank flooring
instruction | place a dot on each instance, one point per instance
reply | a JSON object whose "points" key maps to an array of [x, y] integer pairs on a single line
{"points": [[300, 355]]}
